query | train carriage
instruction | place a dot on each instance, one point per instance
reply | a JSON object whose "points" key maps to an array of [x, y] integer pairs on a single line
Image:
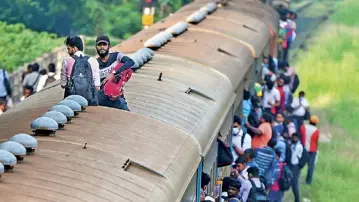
{"points": [[157, 151]]}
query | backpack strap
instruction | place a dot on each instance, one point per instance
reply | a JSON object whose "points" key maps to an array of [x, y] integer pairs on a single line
{"points": [[253, 185], [38, 76], [242, 139]]}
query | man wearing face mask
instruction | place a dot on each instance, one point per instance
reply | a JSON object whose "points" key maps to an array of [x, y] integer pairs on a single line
{"points": [[241, 141], [108, 61]]}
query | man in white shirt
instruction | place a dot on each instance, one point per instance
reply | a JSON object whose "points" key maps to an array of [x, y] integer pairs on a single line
{"points": [[271, 98], [297, 152], [300, 106], [240, 141]]}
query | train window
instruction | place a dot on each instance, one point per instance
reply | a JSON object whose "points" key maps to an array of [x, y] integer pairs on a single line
{"points": [[190, 193]]}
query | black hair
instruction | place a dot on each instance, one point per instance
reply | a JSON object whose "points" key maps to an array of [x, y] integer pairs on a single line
{"points": [[270, 85], [250, 152], [205, 179], [74, 41], [35, 67], [235, 183], [246, 95], [29, 67], [237, 119], [301, 93], [43, 72], [272, 142], [241, 159], [254, 171], [52, 67], [296, 134], [27, 87], [267, 117], [226, 183]]}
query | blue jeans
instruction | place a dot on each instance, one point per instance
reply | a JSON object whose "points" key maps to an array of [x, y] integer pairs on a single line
{"points": [[119, 103], [275, 196], [295, 181], [311, 163]]}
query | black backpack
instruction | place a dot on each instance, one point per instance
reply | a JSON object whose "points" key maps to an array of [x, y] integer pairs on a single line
{"points": [[81, 80], [224, 157], [296, 82], [257, 194], [286, 178]]}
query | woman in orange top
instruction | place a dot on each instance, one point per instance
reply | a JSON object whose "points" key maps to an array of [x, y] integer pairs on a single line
{"points": [[263, 133]]}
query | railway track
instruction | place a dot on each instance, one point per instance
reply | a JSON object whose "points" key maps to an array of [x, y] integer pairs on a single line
{"points": [[311, 16]]}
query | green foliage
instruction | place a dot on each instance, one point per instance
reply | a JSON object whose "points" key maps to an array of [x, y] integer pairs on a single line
{"points": [[119, 18], [20, 45], [328, 72]]}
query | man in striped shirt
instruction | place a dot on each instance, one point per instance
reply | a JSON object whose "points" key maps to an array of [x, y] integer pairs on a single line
{"points": [[310, 138], [107, 62]]}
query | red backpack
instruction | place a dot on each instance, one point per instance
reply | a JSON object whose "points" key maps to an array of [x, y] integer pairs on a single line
{"points": [[113, 88]]}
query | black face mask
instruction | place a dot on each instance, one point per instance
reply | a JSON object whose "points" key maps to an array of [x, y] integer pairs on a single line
{"points": [[102, 55], [294, 141]]}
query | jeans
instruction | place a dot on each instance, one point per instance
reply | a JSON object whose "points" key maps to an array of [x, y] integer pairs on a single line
{"points": [[275, 196], [285, 52], [298, 122], [311, 163], [119, 103], [295, 181]]}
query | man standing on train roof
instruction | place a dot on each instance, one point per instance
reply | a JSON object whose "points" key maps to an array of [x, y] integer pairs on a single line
{"points": [[108, 61]]}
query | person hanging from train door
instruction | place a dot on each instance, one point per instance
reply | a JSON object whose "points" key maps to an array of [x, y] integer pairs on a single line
{"points": [[109, 68], [241, 140]]}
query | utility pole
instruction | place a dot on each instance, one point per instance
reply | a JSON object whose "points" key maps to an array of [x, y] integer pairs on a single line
{"points": [[148, 12]]}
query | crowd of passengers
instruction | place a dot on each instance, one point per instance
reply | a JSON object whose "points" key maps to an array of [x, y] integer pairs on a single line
{"points": [[275, 138], [34, 79]]}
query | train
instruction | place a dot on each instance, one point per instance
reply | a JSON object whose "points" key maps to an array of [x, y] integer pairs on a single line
{"points": [[180, 100]]}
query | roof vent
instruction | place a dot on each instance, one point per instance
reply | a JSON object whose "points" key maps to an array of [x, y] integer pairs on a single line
{"points": [[79, 99], [59, 117], [7, 159], [178, 28], [76, 107], [2, 169], [29, 142], [65, 110], [15, 148], [146, 52], [209, 8], [136, 65], [158, 40], [44, 126], [196, 17]]}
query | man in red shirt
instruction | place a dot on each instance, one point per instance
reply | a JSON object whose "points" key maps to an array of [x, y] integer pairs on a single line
{"points": [[310, 138]]}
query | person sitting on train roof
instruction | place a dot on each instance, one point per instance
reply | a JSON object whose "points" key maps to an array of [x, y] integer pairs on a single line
{"points": [[75, 48], [108, 61], [263, 133]]}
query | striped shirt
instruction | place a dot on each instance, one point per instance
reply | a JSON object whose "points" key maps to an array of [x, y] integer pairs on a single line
{"points": [[266, 161]]}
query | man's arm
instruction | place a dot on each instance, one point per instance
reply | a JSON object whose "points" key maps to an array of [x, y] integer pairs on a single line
{"points": [[96, 73], [127, 62], [63, 78], [253, 129]]}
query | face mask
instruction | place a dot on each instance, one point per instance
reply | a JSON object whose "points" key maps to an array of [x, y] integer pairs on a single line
{"points": [[235, 131], [294, 141]]}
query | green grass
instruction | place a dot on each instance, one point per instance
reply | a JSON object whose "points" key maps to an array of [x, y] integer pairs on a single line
{"points": [[328, 71]]}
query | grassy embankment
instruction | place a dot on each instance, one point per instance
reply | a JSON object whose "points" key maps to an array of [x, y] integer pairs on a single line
{"points": [[328, 71]]}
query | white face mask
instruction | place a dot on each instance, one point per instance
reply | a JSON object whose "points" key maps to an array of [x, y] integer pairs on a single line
{"points": [[235, 131]]}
